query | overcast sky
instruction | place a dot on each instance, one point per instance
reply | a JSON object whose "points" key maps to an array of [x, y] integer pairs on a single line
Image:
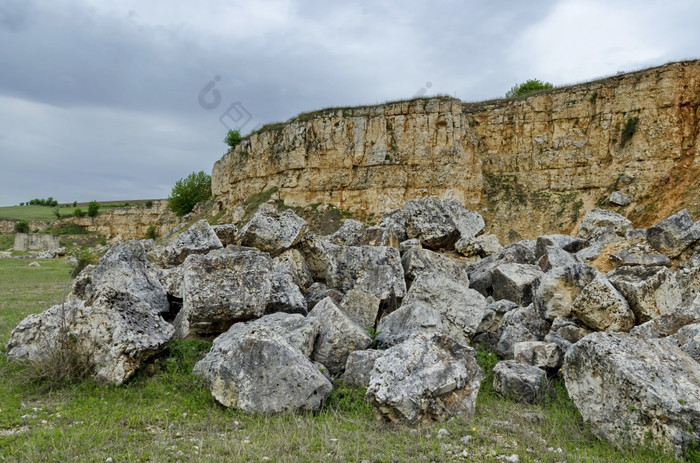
{"points": [[107, 99]]}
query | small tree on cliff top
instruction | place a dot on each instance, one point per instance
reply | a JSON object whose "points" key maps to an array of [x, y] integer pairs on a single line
{"points": [[187, 192], [532, 85]]}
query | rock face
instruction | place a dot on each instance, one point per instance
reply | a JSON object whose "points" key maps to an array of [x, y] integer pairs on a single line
{"points": [[272, 231], [223, 287], [484, 155], [125, 268], [112, 336], [425, 379], [519, 381], [628, 389], [254, 369]]}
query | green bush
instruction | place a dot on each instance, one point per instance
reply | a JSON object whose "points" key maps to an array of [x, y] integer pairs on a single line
{"points": [[187, 192], [79, 212], [151, 232], [22, 226], [629, 130], [532, 85], [233, 138], [83, 258], [149, 204], [93, 208]]}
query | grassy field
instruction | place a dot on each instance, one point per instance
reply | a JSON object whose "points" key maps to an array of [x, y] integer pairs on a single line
{"points": [[165, 415], [43, 213]]}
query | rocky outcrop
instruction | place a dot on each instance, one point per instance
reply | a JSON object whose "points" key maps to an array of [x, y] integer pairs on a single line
{"points": [[534, 163]]}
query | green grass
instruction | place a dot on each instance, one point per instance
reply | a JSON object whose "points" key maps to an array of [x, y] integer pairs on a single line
{"points": [[7, 241], [39, 213], [165, 414]]}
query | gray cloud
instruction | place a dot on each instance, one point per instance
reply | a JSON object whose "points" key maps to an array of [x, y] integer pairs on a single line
{"points": [[99, 98]]}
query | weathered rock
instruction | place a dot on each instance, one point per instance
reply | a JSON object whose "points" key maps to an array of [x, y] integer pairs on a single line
{"points": [[226, 233], [460, 307], [638, 256], [81, 282], [271, 230], [688, 340], [521, 324], [439, 224], [480, 277], [407, 245], [296, 266], [493, 314], [362, 308], [318, 292], [171, 279], [523, 383], [515, 282], [620, 198], [285, 295], [223, 287], [417, 261], [538, 354], [603, 238], [636, 234], [125, 268], [596, 219], [669, 323], [633, 390], [565, 332], [650, 291], [553, 257], [482, 245], [111, 337], [348, 234], [337, 338], [408, 321], [674, 234], [395, 221], [601, 307], [359, 366], [379, 236], [256, 370], [689, 281], [425, 379], [566, 243], [200, 238], [556, 290]]}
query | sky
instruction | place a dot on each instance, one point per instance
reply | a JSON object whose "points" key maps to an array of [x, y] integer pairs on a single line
{"points": [[117, 99]]}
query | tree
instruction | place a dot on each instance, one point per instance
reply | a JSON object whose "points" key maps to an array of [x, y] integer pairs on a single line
{"points": [[93, 208], [22, 226], [532, 85], [187, 192], [233, 138]]}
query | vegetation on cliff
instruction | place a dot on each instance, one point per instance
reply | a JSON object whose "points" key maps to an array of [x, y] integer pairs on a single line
{"points": [[188, 191]]}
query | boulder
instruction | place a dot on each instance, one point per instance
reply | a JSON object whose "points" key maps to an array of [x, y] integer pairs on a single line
{"points": [[296, 266], [566, 243], [379, 236], [408, 321], [438, 224], [271, 230], [395, 221], [688, 340], [538, 354], [81, 282], [595, 219], [673, 235], [521, 324], [425, 379], [650, 291], [111, 337], [514, 282], [460, 307], [565, 332], [635, 391], [669, 323], [200, 238], [602, 240], [171, 280], [338, 336], [318, 292], [362, 308], [638, 256], [602, 308], [226, 233], [359, 366], [285, 296], [481, 246], [480, 276], [417, 261], [256, 370], [125, 268], [520, 382], [553, 257], [223, 287], [620, 198], [556, 290], [493, 314], [348, 234]]}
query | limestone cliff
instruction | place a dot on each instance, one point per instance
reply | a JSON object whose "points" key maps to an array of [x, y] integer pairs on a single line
{"points": [[529, 165]]}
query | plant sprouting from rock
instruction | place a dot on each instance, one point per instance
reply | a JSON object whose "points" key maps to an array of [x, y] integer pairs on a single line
{"points": [[532, 85], [188, 191], [233, 138]]}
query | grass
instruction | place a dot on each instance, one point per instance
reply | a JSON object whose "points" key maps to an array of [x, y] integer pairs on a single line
{"points": [[7, 240], [39, 213], [166, 415]]}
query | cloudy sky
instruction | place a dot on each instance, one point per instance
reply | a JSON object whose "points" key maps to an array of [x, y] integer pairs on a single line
{"points": [[117, 99]]}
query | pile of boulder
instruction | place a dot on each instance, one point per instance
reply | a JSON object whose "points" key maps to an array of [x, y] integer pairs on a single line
{"points": [[396, 309]]}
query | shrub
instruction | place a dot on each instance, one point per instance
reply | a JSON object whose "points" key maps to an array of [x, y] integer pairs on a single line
{"points": [[75, 203], [22, 226], [233, 138], [79, 213], [57, 213], [149, 204], [151, 232], [532, 85], [83, 258], [93, 208], [629, 130], [187, 192]]}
